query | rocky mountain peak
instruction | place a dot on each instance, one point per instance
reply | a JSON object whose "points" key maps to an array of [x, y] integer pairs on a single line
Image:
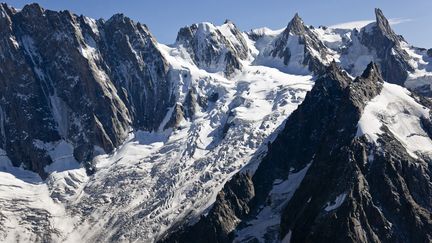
{"points": [[229, 24], [335, 74], [120, 22], [119, 18], [32, 9], [361, 89], [372, 70], [126, 26], [384, 27], [392, 58], [214, 48], [299, 48], [5, 10], [366, 86], [228, 21], [296, 25], [185, 33]]}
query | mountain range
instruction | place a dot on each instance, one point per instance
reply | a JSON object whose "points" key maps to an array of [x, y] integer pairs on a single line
{"points": [[305, 134]]}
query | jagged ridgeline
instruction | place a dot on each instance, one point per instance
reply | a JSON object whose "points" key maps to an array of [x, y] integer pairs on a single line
{"points": [[302, 134]]}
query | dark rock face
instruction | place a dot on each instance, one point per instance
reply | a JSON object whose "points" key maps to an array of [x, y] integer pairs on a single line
{"points": [[138, 70], [378, 206], [213, 50], [68, 77], [297, 29], [429, 52], [177, 116], [391, 58]]}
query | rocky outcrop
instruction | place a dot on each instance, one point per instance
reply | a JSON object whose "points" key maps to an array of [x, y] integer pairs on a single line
{"points": [[177, 116], [214, 48], [429, 52], [68, 77]]}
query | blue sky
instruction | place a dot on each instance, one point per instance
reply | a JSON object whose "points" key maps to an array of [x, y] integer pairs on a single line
{"points": [[164, 17]]}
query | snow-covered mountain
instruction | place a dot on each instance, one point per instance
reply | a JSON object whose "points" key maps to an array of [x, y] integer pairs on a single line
{"points": [[352, 164], [109, 136]]}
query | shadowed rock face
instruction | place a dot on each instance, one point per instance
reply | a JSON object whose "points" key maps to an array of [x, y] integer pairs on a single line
{"points": [[214, 50], [392, 59], [67, 77], [429, 52], [139, 70]]}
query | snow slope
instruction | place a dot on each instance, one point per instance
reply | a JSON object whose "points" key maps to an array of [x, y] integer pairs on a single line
{"points": [[27, 208], [395, 109]]}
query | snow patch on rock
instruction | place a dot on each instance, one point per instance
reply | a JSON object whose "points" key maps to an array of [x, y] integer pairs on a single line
{"points": [[266, 224], [400, 113], [330, 206]]}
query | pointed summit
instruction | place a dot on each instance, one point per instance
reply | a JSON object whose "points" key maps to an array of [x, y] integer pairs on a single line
{"points": [[231, 25], [384, 26], [372, 70], [119, 18], [5, 18], [366, 86], [5, 8], [380, 18], [228, 21], [300, 42], [296, 25], [33, 9], [334, 72], [297, 18], [392, 58], [121, 22]]}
